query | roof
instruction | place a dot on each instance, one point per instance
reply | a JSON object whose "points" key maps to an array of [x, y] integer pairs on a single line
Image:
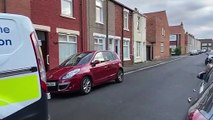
{"points": [[208, 39], [155, 13], [121, 4], [176, 29]]}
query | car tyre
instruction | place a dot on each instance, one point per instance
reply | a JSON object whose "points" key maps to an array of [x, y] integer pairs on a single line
{"points": [[120, 76], [86, 85]]}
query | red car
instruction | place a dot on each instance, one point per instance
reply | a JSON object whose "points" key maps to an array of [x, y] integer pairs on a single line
{"points": [[84, 70]]}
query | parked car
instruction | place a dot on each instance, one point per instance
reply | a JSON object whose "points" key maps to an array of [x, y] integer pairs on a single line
{"points": [[202, 108], [193, 52], [206, 78], [203, 50], [196, 111], [84, 70], [209, 57]]}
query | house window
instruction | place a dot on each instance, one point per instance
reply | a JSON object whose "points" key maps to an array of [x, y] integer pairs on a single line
{"points": [[99, 44], [126, 19], [99, 11], [162, 47], [163, 32], [138, 49], [67, 46], [138, 23], [126, 50], [204, 44], [67, 8]]}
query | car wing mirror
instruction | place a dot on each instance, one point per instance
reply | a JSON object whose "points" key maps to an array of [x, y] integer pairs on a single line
{"points": [[201, 75], [93, 63]]}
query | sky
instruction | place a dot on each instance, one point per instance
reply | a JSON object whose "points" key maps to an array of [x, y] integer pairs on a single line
{"points": [[196, 15]]}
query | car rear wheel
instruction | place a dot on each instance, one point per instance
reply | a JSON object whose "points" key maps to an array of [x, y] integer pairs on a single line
{"points": [[86, 85], [120, 76]]}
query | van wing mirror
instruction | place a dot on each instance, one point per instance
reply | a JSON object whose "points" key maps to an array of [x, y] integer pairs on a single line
{"points": [[201, 75]]}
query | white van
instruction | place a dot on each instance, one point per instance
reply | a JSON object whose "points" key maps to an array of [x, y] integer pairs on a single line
{"points": [[22, 73]]}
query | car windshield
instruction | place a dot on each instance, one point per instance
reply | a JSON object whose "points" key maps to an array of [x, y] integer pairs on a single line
{"points": [[77, 59]]}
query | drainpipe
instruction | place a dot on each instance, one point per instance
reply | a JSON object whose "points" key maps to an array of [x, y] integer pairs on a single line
{"points": [[82, 24], [5, 6], [122, 38], [107, 24]]}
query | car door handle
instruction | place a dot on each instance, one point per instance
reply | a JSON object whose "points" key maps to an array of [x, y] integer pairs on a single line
{"points": [[105, 67]]}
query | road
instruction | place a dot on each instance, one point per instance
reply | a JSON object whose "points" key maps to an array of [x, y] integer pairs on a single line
{"points": [[158, 93]]}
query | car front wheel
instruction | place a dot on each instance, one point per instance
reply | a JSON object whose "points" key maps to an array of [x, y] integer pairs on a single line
{"points": [[120, 76], [86, 85]]}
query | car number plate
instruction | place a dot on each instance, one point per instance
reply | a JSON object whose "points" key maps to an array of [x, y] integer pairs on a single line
{"points": [[51, 84]]}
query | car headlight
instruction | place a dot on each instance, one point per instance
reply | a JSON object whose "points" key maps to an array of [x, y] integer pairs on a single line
{"points": [[71, 74]]}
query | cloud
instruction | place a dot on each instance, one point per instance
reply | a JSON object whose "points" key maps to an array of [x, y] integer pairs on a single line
{"points": [[195, 14]]}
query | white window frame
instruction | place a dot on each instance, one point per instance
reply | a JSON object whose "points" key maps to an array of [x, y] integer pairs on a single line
{"points": [[161, 47], [163, 32], [138, 23], [126, 19], [99, 43], [112, 44], [99, 5], [67, 42], [138, 49], [71, 15], [128, 46]]}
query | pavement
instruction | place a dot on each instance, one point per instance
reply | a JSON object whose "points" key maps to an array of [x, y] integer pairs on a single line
{"points": [[149, 64]]}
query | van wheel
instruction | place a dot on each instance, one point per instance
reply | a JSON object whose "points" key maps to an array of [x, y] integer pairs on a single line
{"points": [[120, 76], [86, 85]]}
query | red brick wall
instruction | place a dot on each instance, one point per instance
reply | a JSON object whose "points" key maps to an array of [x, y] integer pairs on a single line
{"points": [[49, 14], [1, 6], [180, 30], [126, 34], [162, 23], [21, 7], [155, 23], [151, 30], [118, 20]]}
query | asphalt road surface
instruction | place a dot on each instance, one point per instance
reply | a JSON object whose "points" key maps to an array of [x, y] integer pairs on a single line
{"points": [[158, 93]]}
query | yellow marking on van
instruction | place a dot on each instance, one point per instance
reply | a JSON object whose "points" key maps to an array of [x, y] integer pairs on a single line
{"points": [[19, 89]]}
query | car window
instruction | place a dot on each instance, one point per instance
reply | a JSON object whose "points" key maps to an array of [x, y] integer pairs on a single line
{"points": [[209, 76], [99, 56], [108, 56], [206, 107], [77, 59]]}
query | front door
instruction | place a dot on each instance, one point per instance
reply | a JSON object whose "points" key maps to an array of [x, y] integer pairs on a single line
{"points": [[117, 46], [148, 52], [42, 35]]}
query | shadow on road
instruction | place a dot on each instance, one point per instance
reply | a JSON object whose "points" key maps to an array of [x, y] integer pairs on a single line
{"points": [[78, 94]]}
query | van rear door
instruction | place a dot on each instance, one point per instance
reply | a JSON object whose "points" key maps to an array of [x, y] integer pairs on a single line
{"points": [[22, 91]]}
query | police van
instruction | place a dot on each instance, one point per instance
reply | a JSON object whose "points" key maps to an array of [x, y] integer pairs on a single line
{"points": [[23, 91]]}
